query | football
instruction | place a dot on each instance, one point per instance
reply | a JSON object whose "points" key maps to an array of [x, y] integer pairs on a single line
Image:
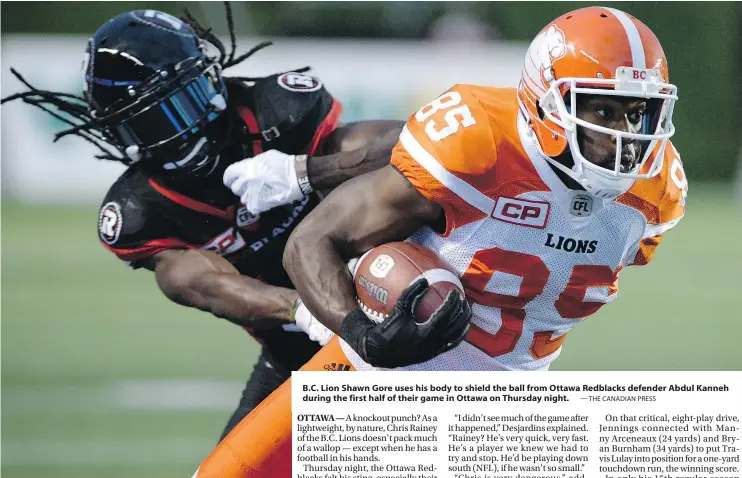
{"points": [[383, 273]]}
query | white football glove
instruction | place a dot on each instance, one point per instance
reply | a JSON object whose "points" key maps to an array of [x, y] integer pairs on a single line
{"points": [[267, 180], [308, 324]]}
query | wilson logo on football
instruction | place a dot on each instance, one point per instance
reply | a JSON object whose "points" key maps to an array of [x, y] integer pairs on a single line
{"points": [[523, 212], [110, 221], [299, 82], [374, 290]]}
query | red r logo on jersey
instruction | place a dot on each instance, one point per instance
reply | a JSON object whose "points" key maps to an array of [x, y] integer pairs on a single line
{"points": [[298, 82], [225, 243]]}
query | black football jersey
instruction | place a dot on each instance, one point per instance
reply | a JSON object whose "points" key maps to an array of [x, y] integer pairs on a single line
{"points": [[143, 215]]}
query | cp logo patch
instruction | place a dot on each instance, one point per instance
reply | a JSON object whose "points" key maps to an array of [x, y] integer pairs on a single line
{"points": [[522, 211]]}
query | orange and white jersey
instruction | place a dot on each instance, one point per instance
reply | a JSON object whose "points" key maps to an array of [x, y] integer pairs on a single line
{"points": [[535, 257]]}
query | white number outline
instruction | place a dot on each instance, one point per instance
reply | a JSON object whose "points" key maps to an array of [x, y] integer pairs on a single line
{"points": [[676, 166], [445, 101]]}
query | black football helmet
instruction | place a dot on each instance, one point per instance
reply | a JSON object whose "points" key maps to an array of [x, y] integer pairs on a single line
{"points": [[155, 93]]}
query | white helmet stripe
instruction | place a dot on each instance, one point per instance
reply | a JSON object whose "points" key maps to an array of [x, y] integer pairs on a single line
{"points": [[635, 41]]}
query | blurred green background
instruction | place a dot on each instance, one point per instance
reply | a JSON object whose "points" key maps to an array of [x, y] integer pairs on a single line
{"points": [[103, 377]]}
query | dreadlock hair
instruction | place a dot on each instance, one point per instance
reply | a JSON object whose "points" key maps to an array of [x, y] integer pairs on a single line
{"points": [[75, 111]]}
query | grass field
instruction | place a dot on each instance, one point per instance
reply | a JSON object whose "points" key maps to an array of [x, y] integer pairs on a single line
{"points": [[103, 377]]}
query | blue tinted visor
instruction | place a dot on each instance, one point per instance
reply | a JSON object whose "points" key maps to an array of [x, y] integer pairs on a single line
{"points": [[181, 114]]}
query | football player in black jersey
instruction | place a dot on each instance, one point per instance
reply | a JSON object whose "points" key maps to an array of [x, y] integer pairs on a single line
{"points": [[154, 99]]}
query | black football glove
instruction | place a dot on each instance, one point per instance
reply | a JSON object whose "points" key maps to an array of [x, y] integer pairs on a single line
{"points": [[399, 340]]}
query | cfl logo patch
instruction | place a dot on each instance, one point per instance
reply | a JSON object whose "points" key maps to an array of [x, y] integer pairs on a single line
{"points": [[582, 205]]}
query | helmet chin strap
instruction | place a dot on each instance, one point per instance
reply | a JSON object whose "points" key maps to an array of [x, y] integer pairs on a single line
{"points": [[598, 185], [187, 158], [214, 165], [593, 183]]}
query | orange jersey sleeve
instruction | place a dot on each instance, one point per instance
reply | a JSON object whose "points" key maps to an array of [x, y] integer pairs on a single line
{"points": [[662, 201], [447, 152]]}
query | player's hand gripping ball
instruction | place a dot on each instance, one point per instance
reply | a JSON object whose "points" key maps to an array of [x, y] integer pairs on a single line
{"points": [[383, 273], [416, 300]]}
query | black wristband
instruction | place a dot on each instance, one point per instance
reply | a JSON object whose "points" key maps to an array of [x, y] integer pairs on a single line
{"points": [[353, 329]]}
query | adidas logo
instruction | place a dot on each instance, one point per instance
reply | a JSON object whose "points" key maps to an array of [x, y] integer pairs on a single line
{"points": [[337, 367]]}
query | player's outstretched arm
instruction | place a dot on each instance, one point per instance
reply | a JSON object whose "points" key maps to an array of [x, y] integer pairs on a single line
{"points": [[351, 150], [206, 281], [274, 178], [364, 212]]}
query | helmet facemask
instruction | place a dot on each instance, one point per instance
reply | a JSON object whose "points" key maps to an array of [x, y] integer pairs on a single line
{"points": [[169, 116], [613, 179]]}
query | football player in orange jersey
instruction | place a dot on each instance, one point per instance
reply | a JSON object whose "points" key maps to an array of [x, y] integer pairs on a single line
{"points": [[537, 195]]}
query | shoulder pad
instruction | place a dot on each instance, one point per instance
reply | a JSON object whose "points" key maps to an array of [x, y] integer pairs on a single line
{"points": [[124, 223], [123, 214], [292, 109], [449, 150], [454, 129]]}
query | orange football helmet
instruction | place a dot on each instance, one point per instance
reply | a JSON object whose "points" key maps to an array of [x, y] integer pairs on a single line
{"points": [[603, 51]]}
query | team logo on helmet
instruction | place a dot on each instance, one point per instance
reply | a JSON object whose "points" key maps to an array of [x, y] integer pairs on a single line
{"points": [[548, 47], [299, 82], [109, 222]]}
